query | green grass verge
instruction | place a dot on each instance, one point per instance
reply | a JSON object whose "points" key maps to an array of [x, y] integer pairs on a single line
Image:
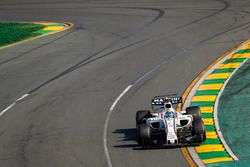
{"points": [[14, 32]]}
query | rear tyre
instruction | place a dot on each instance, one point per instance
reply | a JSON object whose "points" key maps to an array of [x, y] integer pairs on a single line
{"points": [[140, 115], [195, 111], [199, 130], [143, 134]]}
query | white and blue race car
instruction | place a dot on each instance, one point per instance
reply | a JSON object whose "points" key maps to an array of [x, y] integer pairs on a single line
{"points": [[165, 126]]}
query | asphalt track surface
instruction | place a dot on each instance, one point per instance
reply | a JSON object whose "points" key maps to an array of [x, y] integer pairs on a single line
{"points": [[75, 76]]}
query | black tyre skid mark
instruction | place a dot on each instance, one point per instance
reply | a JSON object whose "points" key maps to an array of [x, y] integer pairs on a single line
{"points": [[91, 58]]}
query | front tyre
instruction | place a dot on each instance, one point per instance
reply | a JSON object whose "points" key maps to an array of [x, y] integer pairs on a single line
{"points": [[195, 111], [199, 130], [143, 134]]}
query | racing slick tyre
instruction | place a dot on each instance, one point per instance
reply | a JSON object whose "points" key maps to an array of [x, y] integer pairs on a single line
{"points": [[140, 115], [195, 111], [199, 130], [143, 134]]}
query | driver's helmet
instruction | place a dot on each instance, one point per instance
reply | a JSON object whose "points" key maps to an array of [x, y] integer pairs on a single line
{"points": [[168, 106], [169, 111]]}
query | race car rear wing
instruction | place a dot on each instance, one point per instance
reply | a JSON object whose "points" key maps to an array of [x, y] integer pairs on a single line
{"points": [[158, 101]]}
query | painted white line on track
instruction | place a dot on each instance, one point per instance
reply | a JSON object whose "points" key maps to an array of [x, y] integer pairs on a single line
{"points": [[13, 104], [6, 109], [107, 121], [23, 97]]}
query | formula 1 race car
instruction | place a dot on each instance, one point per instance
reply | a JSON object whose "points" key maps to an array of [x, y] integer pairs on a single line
{"points": [[165, 126]]}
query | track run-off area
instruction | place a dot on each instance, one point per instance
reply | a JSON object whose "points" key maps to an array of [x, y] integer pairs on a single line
{"points": [[85, 84]]}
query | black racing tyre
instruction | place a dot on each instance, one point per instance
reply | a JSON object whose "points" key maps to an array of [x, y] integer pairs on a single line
{"points": [[195, 111], [199, 129], [140, 115], [143, 134]]}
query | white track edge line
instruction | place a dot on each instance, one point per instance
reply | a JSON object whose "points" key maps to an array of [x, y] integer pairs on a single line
{"points": [[23, 97], [13, 104], [7, 108], [105, 144]]}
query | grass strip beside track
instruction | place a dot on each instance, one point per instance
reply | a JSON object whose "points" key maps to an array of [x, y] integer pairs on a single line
{"points": [[14, 32]]}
